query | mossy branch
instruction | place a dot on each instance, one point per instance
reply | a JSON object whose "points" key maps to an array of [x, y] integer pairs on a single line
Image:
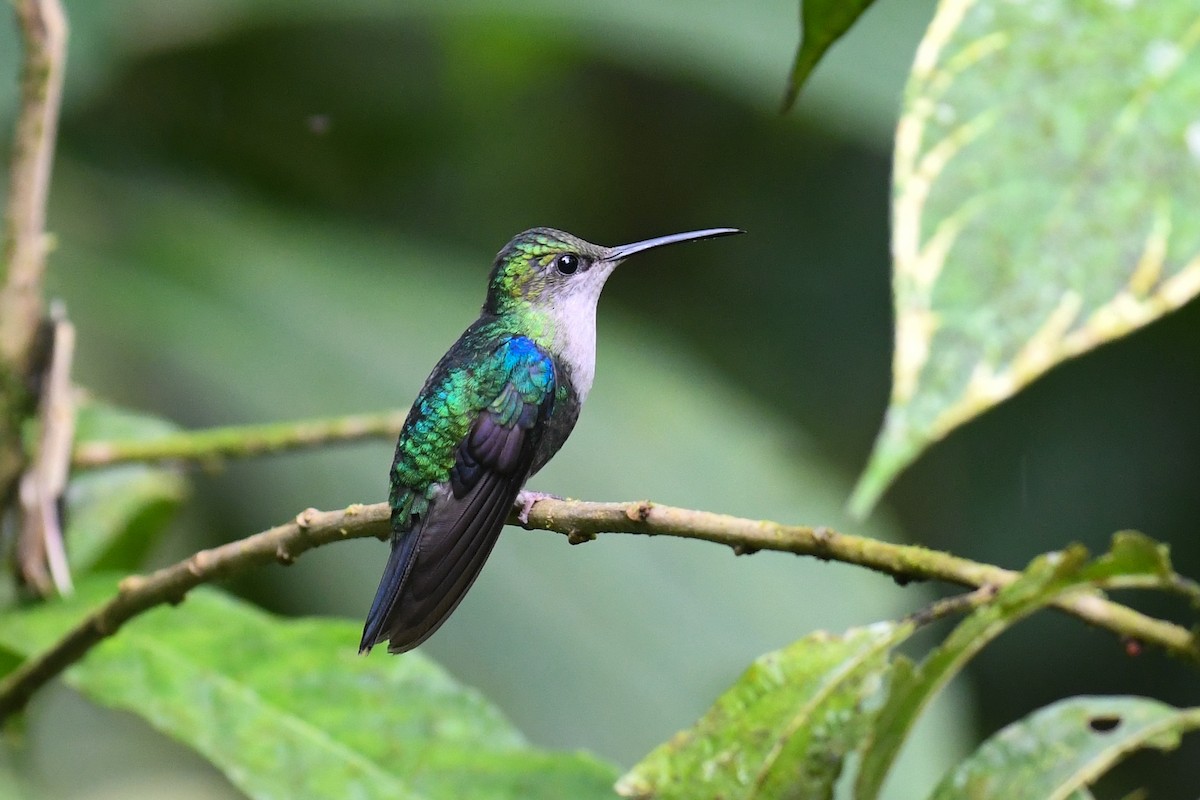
{"points": [[580, 521], [239, 441], [43, 29]]}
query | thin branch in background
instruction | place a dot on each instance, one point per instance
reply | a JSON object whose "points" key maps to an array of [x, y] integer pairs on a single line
{"points": [[579, 521], [43, 28], [953, 605], [43, 31], [239, 441]]}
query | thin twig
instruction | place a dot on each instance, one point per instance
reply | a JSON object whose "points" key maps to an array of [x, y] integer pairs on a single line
{"points": [[954, 605], [43, 28], [239, 441], [579, 521]]}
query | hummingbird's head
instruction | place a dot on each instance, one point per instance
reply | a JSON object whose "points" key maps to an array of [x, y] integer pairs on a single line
{"points": [[541, 265], [546, 267]]}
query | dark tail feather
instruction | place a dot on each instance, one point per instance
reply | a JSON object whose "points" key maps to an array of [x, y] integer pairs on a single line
{"points": [[433, 565], [398, 564]]}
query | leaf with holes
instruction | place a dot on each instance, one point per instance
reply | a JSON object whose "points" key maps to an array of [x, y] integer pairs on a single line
{"points": [[1046, 173], [1058, 751]]}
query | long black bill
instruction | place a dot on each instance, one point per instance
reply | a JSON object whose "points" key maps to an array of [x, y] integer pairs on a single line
{"points": [[623, 251]]}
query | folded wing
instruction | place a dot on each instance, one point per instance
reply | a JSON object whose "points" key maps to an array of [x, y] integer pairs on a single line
{"points": [[434, 562]]}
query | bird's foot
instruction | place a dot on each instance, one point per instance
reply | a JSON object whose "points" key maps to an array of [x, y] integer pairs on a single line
{"points": [[526, 499]]}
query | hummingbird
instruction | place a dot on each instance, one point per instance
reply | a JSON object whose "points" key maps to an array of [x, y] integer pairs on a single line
{"points": [[495, 409]]}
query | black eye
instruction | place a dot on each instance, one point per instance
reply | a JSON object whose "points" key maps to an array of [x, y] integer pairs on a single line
{"points": [[567, 263]]}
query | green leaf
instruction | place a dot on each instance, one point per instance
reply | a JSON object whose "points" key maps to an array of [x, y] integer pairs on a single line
{"points": [[286, 708], [1044, 581], [822, 22], [1044, 184], [783, 729], [1058, 750], [1134, 560], [115, 515], [1132, 553]]}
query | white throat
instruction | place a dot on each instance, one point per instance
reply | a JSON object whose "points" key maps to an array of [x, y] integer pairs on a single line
{"points": [[574, 315], [575, 338]]}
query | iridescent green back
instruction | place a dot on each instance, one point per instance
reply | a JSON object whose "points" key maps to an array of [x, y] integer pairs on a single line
{"points": [[471, 377]]}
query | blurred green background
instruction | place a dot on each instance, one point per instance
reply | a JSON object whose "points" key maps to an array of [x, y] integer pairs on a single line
{"points": [[269, 209]]}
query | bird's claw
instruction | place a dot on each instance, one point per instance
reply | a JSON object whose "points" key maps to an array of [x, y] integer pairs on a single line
{"points": [[526, 500]]}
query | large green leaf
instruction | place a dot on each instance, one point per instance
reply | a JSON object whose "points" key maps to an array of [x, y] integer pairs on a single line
{"points": [[822, 22], [1057, 751], [287, 709], [1132, 559], [783, 729], [1044, 190], [116, 514]]}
